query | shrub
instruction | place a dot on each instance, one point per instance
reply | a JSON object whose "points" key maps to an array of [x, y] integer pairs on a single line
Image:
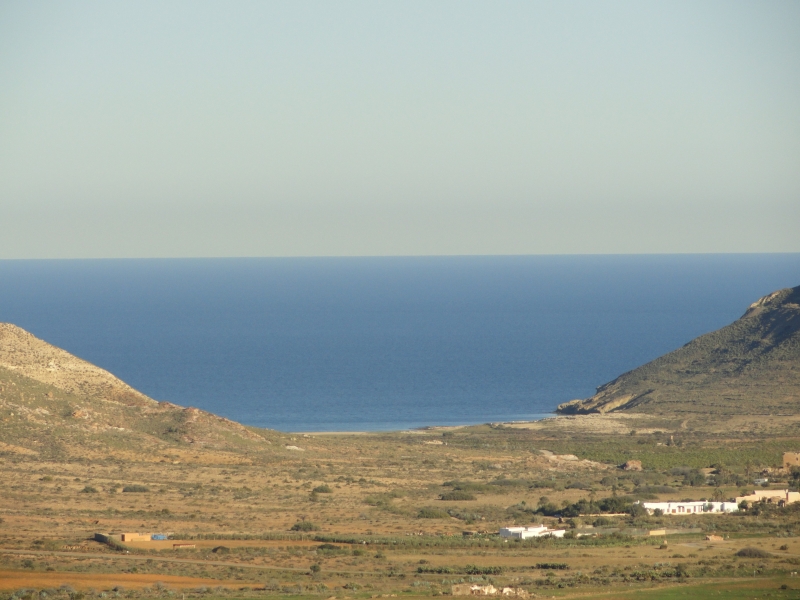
{"points": [[578, 485], [637, 510], [89, 490], [694, 478], [322, 489], [552, 566], [457, 495], [135, 489], [432, 513], [751, 552], [436, 570], [305, 526], [476, 570]]}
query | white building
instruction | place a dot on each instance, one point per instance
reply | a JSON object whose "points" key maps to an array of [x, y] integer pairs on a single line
{"points": [[691, 507], [524, 533]]}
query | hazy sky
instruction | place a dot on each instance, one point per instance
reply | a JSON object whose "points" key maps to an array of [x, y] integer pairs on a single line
{"points": [[377, 128]]}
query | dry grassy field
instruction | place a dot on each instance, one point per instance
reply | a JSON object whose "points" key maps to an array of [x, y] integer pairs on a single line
{"points": [[369, 516]]}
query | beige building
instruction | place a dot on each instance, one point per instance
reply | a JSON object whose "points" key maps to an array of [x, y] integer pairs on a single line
{"points": [[780, 497], [135, 537]]}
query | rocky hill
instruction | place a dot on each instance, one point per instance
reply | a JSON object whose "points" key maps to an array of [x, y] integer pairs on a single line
{"points": [[752, 366], [55, 404]]}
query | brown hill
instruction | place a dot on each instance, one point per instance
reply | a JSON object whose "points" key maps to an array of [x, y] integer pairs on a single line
{"points": [[24, 353], [752, 366], [54, 403]]}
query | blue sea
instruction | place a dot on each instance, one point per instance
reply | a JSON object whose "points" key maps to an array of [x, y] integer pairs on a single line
{"points": [[369, 344]]}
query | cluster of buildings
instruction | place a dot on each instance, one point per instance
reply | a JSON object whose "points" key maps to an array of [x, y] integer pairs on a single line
{"points": [[779, 497], [129, 537], [690, 507], [524, 533]]}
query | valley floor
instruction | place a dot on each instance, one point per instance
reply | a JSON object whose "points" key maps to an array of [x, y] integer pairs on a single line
{"points": [[407, 513]]}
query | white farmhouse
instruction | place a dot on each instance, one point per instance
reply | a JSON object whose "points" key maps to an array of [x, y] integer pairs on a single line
{"points": [[524, 533], [690, 508]]}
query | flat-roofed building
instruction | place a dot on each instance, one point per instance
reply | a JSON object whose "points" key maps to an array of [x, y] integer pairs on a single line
{"points": [[780, 497], [690, 507], [523, 533]]}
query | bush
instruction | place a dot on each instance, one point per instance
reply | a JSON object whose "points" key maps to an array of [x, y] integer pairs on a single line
{"points": [[305, 526], [476, 570], [432, 513], [322, 489], [89, 490], [637, 510], [694, 478], [457, 495], [135, 489], [552, 566], [751, 552], [578, 485]]}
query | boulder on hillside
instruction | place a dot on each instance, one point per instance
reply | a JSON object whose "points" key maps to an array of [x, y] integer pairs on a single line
{"points": [[632, 465]]}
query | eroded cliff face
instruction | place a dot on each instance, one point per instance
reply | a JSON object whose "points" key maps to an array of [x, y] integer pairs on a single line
{"points": [[752, 366], [27, 355]]}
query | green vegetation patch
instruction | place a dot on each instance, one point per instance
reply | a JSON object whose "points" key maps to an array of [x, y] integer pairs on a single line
{"points": [[135, 489]]}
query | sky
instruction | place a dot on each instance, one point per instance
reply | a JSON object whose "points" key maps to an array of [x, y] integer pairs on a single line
{"points": [[193, 129]]}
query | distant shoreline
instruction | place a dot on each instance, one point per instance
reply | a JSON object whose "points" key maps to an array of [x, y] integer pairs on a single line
{"points": [[426, 428]]}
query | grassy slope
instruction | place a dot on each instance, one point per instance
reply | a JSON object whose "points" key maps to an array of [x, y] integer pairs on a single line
{"points": [[749, 367]]}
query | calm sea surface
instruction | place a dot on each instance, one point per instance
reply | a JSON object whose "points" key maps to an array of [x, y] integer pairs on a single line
{"points": [[343, 344]]}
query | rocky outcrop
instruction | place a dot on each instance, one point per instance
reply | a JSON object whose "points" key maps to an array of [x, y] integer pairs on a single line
{"points": [[632, 465]]}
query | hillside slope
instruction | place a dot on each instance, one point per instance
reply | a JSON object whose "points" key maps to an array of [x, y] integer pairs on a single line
{"points": [[752, 366], [27, 355], [55, 404]]}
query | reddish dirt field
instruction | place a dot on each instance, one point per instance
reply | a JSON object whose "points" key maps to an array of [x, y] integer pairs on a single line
{"points": [[168, 544], [14, 580]]}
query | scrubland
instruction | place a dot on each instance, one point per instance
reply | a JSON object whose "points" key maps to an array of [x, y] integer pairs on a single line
{"points": [[405, 513]]}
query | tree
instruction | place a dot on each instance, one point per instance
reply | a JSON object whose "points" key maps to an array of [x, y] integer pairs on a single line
{"points": [[637, 510]]}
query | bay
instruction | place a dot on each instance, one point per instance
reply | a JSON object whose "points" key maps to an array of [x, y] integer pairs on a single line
{"points": [[368, 344]]}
